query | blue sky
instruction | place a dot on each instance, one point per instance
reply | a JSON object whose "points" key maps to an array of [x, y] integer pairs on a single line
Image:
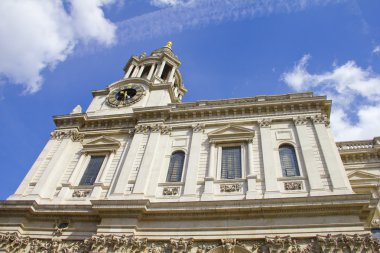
{"points": [[54, 53]]}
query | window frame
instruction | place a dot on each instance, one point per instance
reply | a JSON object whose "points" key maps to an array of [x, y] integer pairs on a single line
{"points": [[243, 160], [85, 164], [296, 153], [183, 166]]}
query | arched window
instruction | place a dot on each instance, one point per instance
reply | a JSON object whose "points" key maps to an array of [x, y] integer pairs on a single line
{"points": [[175, 167], [288, 160]]}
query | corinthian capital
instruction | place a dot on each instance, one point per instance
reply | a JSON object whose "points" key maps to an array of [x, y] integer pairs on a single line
{"points": [[265, 123]]}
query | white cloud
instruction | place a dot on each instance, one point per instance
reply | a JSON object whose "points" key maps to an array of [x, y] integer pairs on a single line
{"points": [[376, 50], [39, 34], [187, 14], [355, 93]]}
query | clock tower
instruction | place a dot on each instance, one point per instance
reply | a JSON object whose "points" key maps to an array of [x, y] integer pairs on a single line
{"points": [[148, 81]]}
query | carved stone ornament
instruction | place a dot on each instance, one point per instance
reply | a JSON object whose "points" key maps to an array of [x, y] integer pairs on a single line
{"points": [[300, 120], [228, 245], [13, 242], [170, 191], [74, 135], [165, 129], [81, 193], [181, 245], [293, 186], [375, 223], [321, 119], [265, 123], [60, 226], [230, 187], [155, 128], [198, 128], [142, 129], [58, 135]]}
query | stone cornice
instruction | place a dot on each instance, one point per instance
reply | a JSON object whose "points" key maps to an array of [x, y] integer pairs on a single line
{"points": [[359, 151]]}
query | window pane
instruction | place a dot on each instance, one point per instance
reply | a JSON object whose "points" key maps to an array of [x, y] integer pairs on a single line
{"points": [[92, 170], [231, 162], [175, 167], [288, 160]]}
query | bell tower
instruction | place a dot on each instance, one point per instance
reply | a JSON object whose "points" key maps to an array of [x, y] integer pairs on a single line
{"points": [[160, 71]]}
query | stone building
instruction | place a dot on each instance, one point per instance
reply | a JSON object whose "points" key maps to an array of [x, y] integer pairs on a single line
{"points": [[140, 171]]}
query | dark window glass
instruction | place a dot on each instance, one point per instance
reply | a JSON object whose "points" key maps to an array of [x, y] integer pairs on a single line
{"points": [[288, 160], [146, 70], [133, 69], [92, 170], [166, 71], [231, 162], [175, 167]]}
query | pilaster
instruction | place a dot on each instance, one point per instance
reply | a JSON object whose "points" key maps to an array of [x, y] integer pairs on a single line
{"points": [[193, 162], [251, 177], [314, 178], [271, 185], [333, 162], [208, 193]]}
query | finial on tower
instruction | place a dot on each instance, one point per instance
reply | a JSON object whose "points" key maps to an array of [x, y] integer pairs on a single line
{"points": [[169, 44]]}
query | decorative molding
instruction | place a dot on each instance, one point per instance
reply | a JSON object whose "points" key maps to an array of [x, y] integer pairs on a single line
{"points": [[375, 223], [81, 193], [231, 133], [155, 128], [13, 242], [73, 134], [165, 129], [230, 187], [170, 191], [265, 123], [198, 128], [293, 186], [60, 226], [58, 135], [321, 119], [181, 245], [300, 120], [141, 129]]}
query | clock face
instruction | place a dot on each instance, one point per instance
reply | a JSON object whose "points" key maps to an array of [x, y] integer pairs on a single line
{"points": [[125, 95]]}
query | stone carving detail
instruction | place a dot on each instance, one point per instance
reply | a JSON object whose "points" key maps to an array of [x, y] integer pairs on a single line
{"points": [[58, 135], [198, 128], [60, 226], [165, 129], [170, 191], [375, 223], [300, 120], [142, 129], [81, 193], [228, 245], [181, 245], [155, 128], [230, 187], [293, 186], [321, 119], [281, 244], [12, 242], [74, 135], [265, 123]]}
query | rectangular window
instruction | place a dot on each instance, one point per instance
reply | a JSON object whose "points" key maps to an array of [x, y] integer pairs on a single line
{"points": [[231, 162], [92, 170], [166, 71]]}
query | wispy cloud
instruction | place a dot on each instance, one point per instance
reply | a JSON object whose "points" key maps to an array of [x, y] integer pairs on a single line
{"points": [[39, 34], [196, 13], [355, 92], [376, 50]]}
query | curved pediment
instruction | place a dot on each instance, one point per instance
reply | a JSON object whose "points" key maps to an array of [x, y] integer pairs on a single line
{"points": [[101, 144], [231, 133]]}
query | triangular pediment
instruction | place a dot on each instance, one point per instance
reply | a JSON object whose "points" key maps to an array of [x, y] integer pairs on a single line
{"points": [[101, 143], [362, 175], [231, 133]]}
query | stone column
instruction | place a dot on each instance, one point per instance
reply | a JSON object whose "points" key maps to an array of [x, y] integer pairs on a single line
{"points": [[313, 175], [171, 75], [193, 162], [331, 156], [208, 193], [121, 179], [151, 71], [154, 178], [159, 73], [140, 71], [271, 185], [129, 71], [143, 176], [135, 71], [251, 177]]}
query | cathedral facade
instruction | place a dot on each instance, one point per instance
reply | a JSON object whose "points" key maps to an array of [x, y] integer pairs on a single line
{"points": [[140, 171]]}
